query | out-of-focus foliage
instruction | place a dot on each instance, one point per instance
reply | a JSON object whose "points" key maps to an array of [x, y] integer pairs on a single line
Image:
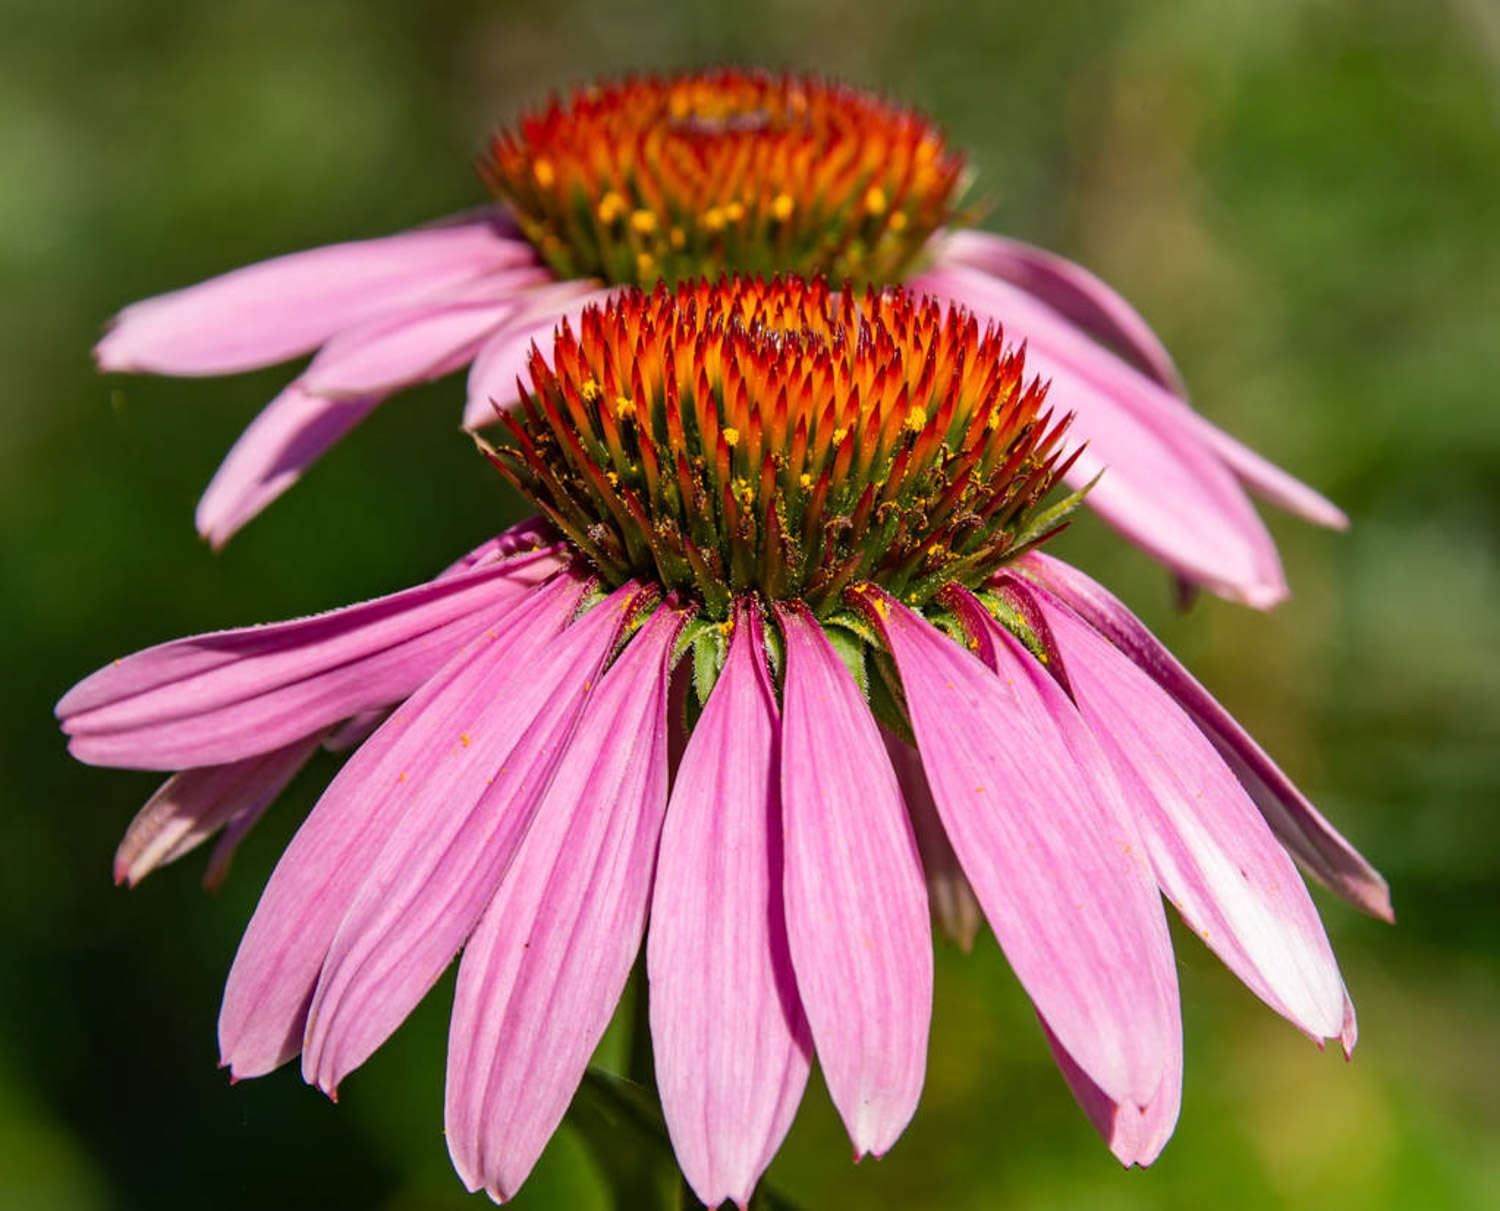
{"points": [[1301, 196]]}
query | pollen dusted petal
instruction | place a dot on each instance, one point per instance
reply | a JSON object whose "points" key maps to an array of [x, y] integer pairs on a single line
{"points": [[221, 697], [544, 968], [450, 848], [731, 1043], [856, 907], [276, 969], [1323, 852], [283, 308], [1073, 911], [1214, 856]]}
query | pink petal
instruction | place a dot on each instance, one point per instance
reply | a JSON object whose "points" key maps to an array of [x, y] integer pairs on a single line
{"points": [[544, 968], [452, 845], [1135, 1134], [217, 698], [1213, 854], [310, 891], [424, 340], [1070, 294], [954, 907], [1080, 298], [191, 806], [529, 535], [291, 433], [283, 308], [1163, 491], [731, 1043], [1326, 855], [505, 357], [856, 908], [1070, 901]]}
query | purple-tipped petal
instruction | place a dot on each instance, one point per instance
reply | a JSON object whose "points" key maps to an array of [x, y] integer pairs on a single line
{"points": [[291, 433], [1135, 1134], [949, 895], [451, 847], [191, 806], [1162, 490], [1214, 856], [310, 891], [286, 307], [1080, 297], [1326, 855], [544, 968], [856, 909], [217, 698], [426, 340], [506, 355], [730, 1039], [1070, 902]]}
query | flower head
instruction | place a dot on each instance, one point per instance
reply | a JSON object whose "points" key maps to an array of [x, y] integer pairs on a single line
{"points": [[859, 719], [675, 178], [728, 171]]}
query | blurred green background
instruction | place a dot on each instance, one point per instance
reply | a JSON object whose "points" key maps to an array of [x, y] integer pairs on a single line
{"points": [[1302, 197]]}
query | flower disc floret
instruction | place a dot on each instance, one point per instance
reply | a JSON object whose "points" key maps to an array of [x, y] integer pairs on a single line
{"points": [[785, 439], [649, 179]]}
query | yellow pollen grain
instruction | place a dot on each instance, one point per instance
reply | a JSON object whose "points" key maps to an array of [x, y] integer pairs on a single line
{"points": [[624, 405], [713, 219], [805, 482], [677, 236], [611, 207], [463, 739], [542, 171], [643, 221], [734, 212], [840, 433], [875, 200], [916, 419], [781, 206], [897, 221], [589, 391], [644, 263], [731, 437]]}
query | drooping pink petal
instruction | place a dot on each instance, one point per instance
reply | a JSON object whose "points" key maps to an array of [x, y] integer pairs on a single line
{"points": [[544, 968], [1135, 1134], [217, 698], [1214, 856], [1326, 855], [1080, 297], [283, 308], [291, 433], [1071, 905], [276, 969], [730, 1039], [856, 908], [504, 358], [1069, 294], [1162, 490], [191, 806], [949, 895], [425, 340], [451, 847]]}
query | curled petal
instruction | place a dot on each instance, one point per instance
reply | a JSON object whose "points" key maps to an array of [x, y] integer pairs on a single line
{"points": [[276, 969], [286, 307], [544, 968], [466, 816], [1326, 855], [731, 1043], [191, 806], [856, 908], [217, 698]]}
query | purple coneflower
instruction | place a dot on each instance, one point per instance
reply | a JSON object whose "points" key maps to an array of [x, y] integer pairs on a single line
{"points": [[666, 180], [781, 670]]}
